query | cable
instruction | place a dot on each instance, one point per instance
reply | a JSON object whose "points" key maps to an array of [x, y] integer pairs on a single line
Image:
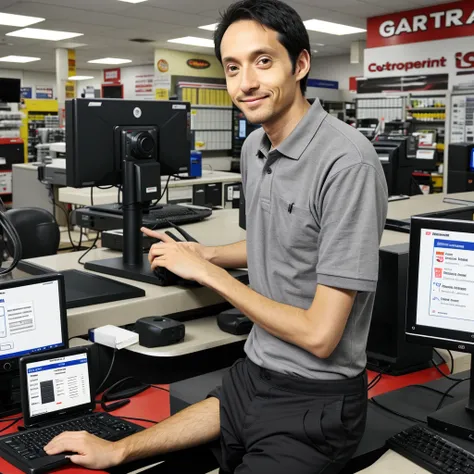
{"points": [[451, 370], [11, 234], [454, 379], [430, 389], [374, 382], [108, 373], [89, 249], [452, 361], [92, 195], [160, 388], [449, 389], [164, 191], [393, 412], [119, 190], [15, 421], [68, 216], [136, 419]]}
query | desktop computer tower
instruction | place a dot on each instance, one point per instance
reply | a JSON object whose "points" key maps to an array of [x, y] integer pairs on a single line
{"points": [[387, 349], [461, 167]]}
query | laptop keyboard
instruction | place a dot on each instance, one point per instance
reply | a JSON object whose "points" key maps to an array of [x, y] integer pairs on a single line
{"points": [[29, 444]]}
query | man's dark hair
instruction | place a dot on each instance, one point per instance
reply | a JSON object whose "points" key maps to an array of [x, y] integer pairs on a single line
{"points": [[273, 14]]}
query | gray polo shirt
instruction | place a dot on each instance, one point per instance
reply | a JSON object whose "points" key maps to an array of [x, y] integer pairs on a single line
{"points": [[316, 208]]}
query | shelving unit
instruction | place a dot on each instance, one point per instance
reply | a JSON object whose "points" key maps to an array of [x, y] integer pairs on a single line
{"points": [[427, 113], [11, 150], [36, 112], [212, 127]]}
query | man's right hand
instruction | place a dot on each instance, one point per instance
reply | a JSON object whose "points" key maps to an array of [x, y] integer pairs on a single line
{"points": [[201, 250], [92, 452]]}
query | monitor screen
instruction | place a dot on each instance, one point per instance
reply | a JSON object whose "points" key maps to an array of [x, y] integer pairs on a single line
{"points": [[242, 129], [441, 283], [57, 383], [10, 90], [31, 316], [112, 92], [471, 160]]}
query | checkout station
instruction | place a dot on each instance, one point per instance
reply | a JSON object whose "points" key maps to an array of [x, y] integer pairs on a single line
{"points": [[150, 328]]}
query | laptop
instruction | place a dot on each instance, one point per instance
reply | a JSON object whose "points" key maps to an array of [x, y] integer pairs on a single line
{"points": [[57, 395]]}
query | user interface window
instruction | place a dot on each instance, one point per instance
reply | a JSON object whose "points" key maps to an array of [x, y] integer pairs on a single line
{"points": [[30, 319], [446, 280], [58, 384]]}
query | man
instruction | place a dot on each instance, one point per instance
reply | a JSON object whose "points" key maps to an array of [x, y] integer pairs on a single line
{"points": [[316, 205]]}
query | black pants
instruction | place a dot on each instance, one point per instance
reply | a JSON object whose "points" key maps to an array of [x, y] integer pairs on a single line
{"points": [[274, 423]]}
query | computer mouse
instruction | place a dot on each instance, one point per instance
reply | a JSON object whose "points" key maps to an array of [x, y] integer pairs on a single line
{"points": [[234, 322], [166, 277]]}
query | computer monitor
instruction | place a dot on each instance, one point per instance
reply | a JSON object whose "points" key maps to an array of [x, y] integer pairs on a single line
{"points": [[33, 319], [129, 143], [10, 91], [102, 133], [440, 303]]}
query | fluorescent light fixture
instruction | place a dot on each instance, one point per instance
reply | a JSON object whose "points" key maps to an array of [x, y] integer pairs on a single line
{"points": [[209, 27], [80, 78], [193, 41], [19, 59], [319, 44], [48, 35], [331, 28], [20, 21], [133, 1], [315, 50], [110, 61]]}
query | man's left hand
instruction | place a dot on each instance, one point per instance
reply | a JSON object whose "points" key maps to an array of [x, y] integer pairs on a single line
{"points": [[181, 260]]}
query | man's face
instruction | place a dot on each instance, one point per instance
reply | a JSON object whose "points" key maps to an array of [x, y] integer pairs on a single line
{"points": [[258, 71]]}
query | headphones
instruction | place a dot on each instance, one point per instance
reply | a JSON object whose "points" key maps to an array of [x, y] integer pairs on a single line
{"points": [[121, 391]]}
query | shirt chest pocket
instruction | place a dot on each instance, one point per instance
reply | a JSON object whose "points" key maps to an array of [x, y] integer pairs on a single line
{"points": [[294, 228]]}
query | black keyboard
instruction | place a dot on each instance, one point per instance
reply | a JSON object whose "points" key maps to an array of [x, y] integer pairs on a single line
{"points": [[432, 452], [25, 449], [109, 216]]}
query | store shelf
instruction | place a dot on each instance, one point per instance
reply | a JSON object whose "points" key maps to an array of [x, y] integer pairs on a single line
{"points": [[422, 109]]}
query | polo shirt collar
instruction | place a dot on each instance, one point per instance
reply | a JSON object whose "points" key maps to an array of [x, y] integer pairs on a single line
{"points": [[296, 143]]}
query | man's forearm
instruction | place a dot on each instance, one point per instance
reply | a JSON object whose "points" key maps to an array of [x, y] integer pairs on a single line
{"points": [[195, 425], [229, 256]]}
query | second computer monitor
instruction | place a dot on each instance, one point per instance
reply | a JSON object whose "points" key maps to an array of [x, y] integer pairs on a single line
{"points": [[440, 307], [94, 148]]}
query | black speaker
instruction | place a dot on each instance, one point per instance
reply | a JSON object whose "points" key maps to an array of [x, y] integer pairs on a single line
{"points": [[156, 331]]}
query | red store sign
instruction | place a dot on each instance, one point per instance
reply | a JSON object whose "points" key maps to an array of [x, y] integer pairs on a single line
{"points": [[112, 75], [449, 20]]}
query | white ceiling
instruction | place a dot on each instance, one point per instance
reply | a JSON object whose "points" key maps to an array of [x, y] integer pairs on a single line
{"points": [[108, 25]]}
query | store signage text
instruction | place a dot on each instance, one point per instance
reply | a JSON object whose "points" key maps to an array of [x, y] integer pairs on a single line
{"points": [[449, 20], [408, 65], [465, 61]]}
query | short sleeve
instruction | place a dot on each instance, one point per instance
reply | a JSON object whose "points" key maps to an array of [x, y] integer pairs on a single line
{"points": [[353, 207]]}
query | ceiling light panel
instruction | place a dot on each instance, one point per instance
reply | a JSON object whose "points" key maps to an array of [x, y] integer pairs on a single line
{"points": [[209, 27], [47, 35], [19, 59], [20, 21], [110, 61], [193, 41], [331, 28]]}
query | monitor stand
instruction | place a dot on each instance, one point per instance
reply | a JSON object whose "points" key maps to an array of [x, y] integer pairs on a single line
{"points": [[457, 419], [10, 400]]}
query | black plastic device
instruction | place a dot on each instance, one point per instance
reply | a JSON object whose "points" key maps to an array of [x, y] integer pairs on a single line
{"points": [[157, 331]]}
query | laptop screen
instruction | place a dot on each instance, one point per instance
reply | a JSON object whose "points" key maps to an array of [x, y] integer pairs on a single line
{"points": [[57, 384]]}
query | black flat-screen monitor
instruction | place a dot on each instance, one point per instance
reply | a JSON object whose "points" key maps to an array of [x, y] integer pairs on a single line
{"points": [[112, 91], [94, 137], [33, 319], [440, 304], [10, 90]]}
